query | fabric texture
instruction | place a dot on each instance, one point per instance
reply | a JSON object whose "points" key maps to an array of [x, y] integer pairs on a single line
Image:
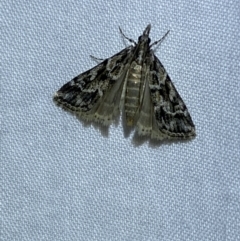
{"points": [[64, 180]]}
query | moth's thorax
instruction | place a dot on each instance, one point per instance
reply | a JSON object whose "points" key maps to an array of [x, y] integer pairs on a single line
{"points": [[142, 49]]}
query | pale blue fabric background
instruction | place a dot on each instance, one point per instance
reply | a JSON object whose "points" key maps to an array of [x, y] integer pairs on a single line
{"points": [[61, 180]]}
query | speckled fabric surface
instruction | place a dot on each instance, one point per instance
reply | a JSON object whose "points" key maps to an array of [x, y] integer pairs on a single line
{"points": [[64, 180]]}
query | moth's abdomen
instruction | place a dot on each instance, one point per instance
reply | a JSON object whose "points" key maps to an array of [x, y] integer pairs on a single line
{"points": [[133, 92]]}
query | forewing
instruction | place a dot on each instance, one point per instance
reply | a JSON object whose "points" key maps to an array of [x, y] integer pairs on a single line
{"points": [[95, 94], [171, 118]]}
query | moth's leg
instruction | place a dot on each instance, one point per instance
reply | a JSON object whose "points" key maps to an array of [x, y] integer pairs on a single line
{"points": [[129, 39], [160, 40], [96, 59]]}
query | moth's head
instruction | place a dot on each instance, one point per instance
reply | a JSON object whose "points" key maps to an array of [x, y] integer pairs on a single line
{"points": [[145, 36]]}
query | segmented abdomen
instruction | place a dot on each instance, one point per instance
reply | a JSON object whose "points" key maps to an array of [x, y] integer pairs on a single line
{"points": [[133, 92]]}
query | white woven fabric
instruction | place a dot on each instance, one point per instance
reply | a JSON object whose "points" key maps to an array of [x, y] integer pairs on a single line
{"points": [[62, 180]]}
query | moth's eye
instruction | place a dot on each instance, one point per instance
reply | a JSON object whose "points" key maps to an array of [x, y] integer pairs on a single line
{"points": [[139, 38], [149, 40]]}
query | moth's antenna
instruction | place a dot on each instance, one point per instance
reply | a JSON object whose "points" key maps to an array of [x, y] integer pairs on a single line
{"points": [[129, 39], [160, 40]]}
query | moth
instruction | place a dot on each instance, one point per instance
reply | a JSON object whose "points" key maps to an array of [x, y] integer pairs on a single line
{"points": [[135, 82]]}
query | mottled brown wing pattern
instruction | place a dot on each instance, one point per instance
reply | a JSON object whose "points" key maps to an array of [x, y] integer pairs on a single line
{"points": [[95, 94], [171, 115]]}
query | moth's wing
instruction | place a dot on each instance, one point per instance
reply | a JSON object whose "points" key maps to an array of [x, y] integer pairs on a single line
{"points": [[95, 94], [170, 116], [145, 112]]}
